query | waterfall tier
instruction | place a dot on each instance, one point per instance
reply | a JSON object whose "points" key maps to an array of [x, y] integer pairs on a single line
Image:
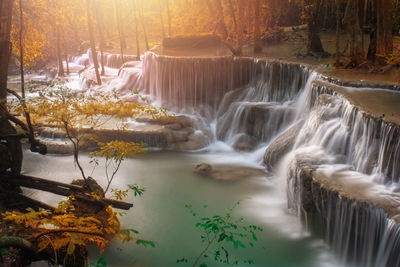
{"points": [[370, 144], [110, 60], [360, 219], [185, 83]]}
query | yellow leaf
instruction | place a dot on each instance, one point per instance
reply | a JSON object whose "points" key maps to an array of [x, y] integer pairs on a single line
{"points": [[71, 248]]}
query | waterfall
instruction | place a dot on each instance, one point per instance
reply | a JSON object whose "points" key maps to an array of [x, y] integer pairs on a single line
{"points": [[255, 100], [304, 128], [185, 83], [247, 97], [110, 60], [359, 217], [364, 234], [265, 106], [369, 144]]}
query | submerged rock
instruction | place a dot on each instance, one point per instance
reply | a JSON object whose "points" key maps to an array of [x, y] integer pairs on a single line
{"points": [[202, 168], [227, 172]]}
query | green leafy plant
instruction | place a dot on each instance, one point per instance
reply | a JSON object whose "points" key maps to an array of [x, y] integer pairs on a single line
{"points": [[100, 263], [219, 233]]}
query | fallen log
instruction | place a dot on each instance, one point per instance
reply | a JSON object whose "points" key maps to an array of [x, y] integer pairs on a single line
{"points": [[104, 201], [62, 189], [55, 187], [17, 242]]}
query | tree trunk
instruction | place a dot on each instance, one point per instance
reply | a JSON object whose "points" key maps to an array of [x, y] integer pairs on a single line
{"points": [[220, 19], [257, 37], [364, 22], [212, 14], [338, 24], [13, 145], [232, 10], [384, 27], [121, 40], [21, 49], [92, 43], [325, 7], [372, 35], [239, 33], [143, 26], [5, 45], [100, 26], [136, 31], [352, 24], [65, 52], [249, 19], [314, 43], [169, 18], [59, 55], [161, 20]]}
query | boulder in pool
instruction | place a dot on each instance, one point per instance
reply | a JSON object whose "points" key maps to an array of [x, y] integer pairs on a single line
{"points": [[227, 172]]}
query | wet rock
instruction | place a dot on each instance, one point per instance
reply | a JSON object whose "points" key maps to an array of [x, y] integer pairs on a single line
{"points": [[261, 121], [245, 143], [196, 140], [324, 107], [185, 121], [281, 146], [58, 146], [227, 172], [202, 168], [179, 136], [49, 132], [189, 130], [174, 126]]}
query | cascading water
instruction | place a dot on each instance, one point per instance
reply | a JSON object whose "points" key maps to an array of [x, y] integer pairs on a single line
{"points": [[334, 132], [110, 60], [371, 145], [265, 106], [278, 104], [193, 83]]}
